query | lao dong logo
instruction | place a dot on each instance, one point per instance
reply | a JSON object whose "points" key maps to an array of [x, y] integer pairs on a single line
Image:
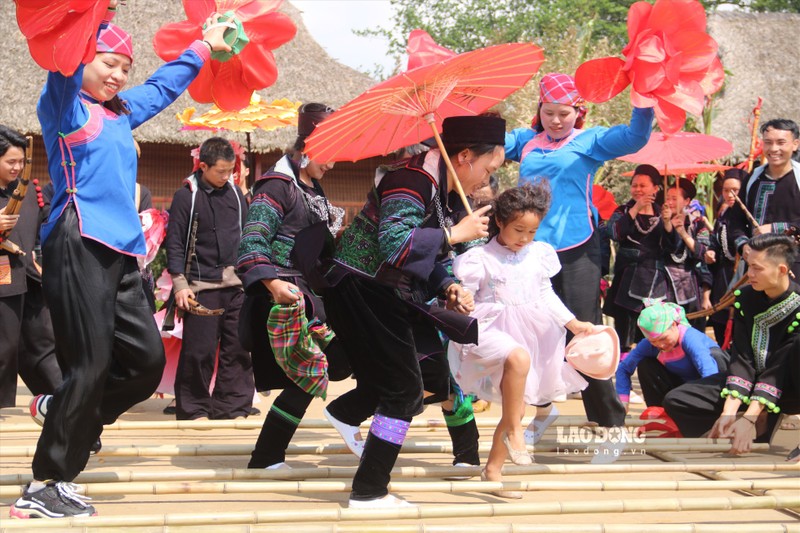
{"points": [[598, 435]]}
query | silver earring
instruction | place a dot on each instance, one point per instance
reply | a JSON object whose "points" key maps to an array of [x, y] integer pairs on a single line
{"points": [[304, 161]]}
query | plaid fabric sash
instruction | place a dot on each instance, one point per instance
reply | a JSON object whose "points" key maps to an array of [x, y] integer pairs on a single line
{"points": [[298, 344]]}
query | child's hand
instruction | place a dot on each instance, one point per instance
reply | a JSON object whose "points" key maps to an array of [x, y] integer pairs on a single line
{"points": [[471, 227], [578, 327], [459, 299]]}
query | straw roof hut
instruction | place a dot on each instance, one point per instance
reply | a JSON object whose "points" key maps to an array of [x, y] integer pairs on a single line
{"points": [[761, 55]]}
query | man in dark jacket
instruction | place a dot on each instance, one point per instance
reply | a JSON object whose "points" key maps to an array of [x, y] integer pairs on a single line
{"points": [[26, 333], [208, 276]]}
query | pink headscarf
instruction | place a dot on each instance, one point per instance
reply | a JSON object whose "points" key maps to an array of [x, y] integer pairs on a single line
{"points": [[115, 40], [556, 88]]}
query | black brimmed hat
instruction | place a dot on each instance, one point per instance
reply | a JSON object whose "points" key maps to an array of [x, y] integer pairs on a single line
{"points": [[474, 130]]}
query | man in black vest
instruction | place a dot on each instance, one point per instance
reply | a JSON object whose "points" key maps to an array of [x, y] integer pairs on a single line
{"points": [[211, 280]]}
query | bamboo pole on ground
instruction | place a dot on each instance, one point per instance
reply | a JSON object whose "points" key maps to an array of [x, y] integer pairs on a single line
{"points": [[256, 423], [423, 512], [411, 472], [771, 527], [446, 487], [413, 446]]}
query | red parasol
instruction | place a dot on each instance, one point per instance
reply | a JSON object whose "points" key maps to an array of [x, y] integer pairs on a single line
{"points": [[604, 201], [681, 149], [682, 170], [670, 62], [392, 114], [230, 83]]}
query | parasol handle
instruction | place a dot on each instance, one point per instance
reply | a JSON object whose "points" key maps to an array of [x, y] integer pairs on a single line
{"points": [[429, 118], [750, 217]]}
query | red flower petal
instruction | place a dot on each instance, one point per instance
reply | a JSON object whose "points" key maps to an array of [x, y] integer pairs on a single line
{"points": [[646, 77], [258, 67], [670, 118], [270, 31], [38, 16], [197, 11], [599, 80], [77, 41], [638, 16], [172, 39], [200, 88], [698, 49], [246, 10], [671, 16], [230, 93], [688, 95], [711, 80], [641, 100], [650, 49]]}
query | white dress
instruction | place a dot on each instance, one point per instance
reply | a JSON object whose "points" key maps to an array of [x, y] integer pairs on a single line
{"points": [[516, 307]]}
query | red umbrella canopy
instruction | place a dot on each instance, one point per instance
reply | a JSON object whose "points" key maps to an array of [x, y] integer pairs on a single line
{"points": [[681, 149], [681, 170], [392, 114]]}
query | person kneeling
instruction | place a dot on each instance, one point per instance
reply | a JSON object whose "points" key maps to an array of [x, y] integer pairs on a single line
{"points": [[764, 377], [671, 354]]}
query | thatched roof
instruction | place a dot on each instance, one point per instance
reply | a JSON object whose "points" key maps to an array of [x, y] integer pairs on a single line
{"points": [[306, 73], [761, 53]]}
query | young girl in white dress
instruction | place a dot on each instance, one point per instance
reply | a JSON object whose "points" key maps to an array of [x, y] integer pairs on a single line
{"points": [[520, 356]]}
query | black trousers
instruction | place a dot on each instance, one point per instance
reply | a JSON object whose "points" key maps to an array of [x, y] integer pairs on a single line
{"points": [[697, 405], [578, 286], [376, 328], [234, 387], [107, 344], [27, 345]]}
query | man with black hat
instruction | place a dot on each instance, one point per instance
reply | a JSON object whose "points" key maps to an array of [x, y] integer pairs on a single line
{"points": [[221, 211], [387, 265]]}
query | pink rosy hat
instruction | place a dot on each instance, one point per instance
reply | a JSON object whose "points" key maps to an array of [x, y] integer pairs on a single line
{"points": [[115, 40], [595, 354]]}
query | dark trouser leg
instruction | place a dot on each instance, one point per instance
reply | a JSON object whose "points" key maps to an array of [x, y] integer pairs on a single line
{"points": [[38, 365], [578, 286], [375, 327], [463, 434], [107, 345], [196, 363], [234, 387], [279, 427], [696, 406], [10, 326], [719, 331], [656, 381]]}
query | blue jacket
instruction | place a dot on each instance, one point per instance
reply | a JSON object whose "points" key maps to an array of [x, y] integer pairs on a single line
{"points": [[90, 151], [570, 169], [697, 361]]}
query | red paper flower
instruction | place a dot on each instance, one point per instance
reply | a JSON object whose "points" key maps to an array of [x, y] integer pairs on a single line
{"points": [[61, 35], [229, 84], [670, 61]]}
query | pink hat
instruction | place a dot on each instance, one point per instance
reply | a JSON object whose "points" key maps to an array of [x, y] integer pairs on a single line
{"points": [[115, 40], [595, 354]]}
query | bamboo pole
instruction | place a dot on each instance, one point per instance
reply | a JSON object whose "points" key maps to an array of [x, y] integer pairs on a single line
{"points": [[413, 446], [422, 512], [413, 472], [770, 527], [256, 423], [405, 487]]}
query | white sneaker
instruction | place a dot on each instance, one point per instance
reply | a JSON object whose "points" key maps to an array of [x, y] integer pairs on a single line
{"points": [[350, 434], [387, 502], [278, 466], [39, 406], [535, 430], [460, 478]]}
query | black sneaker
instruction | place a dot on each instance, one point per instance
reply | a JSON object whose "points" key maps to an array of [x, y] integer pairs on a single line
{"points": [[58, 499]]}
